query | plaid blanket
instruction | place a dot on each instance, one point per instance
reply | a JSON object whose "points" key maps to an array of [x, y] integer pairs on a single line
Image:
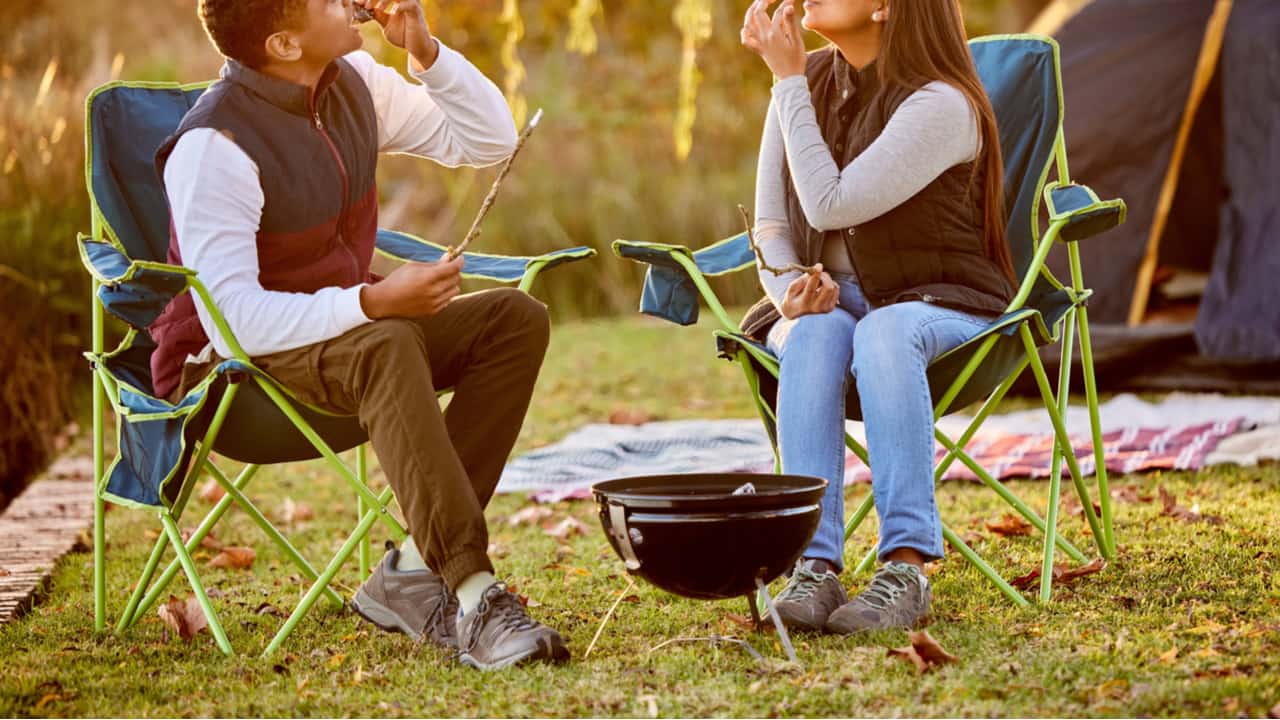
{"points": [[1017, 445]]}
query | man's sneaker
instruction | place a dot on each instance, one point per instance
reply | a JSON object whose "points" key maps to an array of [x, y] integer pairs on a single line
{"points": [[414, 602], [499, 632], [811, 594], [898, 598]]}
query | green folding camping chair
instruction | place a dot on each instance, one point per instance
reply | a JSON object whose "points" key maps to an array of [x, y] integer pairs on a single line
{"points": [[238, 410], [1021, 76]]}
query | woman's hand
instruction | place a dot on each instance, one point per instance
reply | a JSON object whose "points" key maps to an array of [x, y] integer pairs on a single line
{"points": [[404, 25], [778, 39], [810, 294]]}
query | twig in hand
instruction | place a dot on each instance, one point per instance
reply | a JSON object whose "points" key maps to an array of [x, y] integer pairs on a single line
{"points": [[751, 238], [493, 191]]}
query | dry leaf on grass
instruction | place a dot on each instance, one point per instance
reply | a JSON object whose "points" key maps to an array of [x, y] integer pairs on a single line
{"points": [[239, 558], [211, 491], [210, 541], [184, 616], [1168, 656], [1130, 494], [1069, 504], [627, 416], [566, 528], [1174, 510], [1062, 575], [292, 513], [529, 515], [1010, 525], [741, 621], [924, 652]]}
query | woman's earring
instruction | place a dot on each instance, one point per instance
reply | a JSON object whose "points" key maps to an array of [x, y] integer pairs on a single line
{"points": [[877, 16]]}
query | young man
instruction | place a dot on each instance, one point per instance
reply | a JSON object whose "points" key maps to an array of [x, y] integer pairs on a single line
{"points": [[270, 181]]}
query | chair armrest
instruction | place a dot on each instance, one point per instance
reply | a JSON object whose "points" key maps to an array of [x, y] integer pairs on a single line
{"points": [[498, 268], [136, 291], [677, 275], [1082, 212]]}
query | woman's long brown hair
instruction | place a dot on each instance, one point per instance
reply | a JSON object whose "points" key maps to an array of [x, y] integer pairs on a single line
{"points": [[924, 41]]}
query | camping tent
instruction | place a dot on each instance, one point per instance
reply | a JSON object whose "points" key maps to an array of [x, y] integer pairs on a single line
{"points": [[1174, 105]]}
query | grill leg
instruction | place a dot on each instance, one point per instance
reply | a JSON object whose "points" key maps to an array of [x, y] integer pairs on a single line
{"points": [[777, 621]]}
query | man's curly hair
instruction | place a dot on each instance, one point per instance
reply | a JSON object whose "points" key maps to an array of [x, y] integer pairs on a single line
{"points": [[240, 28]]}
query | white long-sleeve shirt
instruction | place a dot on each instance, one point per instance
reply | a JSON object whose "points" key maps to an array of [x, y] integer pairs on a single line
{"points": [[456, 116], [932, 130]]}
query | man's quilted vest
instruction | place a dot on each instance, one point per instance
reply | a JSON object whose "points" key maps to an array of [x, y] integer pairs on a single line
{"points": [[316, 154]]}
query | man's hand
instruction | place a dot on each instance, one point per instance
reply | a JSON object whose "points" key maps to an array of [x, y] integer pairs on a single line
{"points": [[413, 290], [404, 24], [810, 294], [778, 40]]}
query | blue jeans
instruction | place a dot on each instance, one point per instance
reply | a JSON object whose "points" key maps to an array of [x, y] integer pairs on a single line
{"points": [[887, 357]]}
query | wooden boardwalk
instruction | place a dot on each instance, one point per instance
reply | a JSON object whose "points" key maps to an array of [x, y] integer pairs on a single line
{"points": [[44, 523]]}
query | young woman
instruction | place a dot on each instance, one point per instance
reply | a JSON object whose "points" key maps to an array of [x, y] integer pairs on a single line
{"points": [[879, 168]]}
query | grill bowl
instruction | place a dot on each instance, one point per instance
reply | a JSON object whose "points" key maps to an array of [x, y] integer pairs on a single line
{"points": [[690, 535]]}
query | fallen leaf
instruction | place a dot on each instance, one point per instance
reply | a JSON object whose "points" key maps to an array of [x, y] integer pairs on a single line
{"points": [[239, 558], [627, 416], [1069, 504], [46, 699], [924, 652], [741, 621], [529, 515], [1168, 656], [211, 491], [1062, 575], [1130, 494], [337, 660], [184, 616], [267, 608], [566, 528], [293, 513], [563, 552], [1010, 525], [1172, 509], [209, 541]]}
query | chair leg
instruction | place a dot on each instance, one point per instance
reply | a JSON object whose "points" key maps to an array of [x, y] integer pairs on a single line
{"points": [[1055, 471], [270, 530], [132, 610], [215, 626], [1060, 432], [138, 609], [362, 472], [99, 505], [1095, 427], [983, 567], [357, 535]]}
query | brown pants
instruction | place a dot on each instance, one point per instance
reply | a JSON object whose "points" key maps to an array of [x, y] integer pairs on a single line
{"points": [[442, 465]]}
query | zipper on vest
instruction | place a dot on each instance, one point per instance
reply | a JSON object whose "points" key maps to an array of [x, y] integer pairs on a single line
{"points": [[342, 213]]}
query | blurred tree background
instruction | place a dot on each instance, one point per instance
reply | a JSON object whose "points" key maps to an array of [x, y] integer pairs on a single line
{"points": [[653, 116]]}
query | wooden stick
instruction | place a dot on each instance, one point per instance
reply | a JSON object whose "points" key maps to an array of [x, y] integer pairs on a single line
{"points": [[751, 238], [493, 191]]}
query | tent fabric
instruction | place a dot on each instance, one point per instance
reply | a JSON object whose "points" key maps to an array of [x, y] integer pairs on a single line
{"points": [[1128, 67], [1240, 312]]}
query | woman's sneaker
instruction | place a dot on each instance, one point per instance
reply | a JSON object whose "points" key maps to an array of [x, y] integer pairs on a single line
{"points": [[499, 633], [810, 596], [897, 598], [414, 602]]}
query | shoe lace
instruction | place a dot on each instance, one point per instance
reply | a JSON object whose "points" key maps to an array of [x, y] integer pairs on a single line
{"points": [[888, 583], [506, 609], [803, 583], [445, 608]]}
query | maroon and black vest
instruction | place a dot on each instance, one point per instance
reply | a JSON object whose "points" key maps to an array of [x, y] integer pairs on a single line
{"points": [[316, 154], [932, 247]]}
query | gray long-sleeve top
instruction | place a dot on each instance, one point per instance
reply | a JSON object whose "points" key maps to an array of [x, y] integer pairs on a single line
{"points": [[932, 130]]}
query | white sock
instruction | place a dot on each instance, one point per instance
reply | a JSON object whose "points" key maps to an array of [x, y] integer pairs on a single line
{"points": [[410, 558], [470, 590]]}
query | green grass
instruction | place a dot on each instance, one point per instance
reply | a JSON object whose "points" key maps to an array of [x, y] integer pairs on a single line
{"points": [[1210, 592]]}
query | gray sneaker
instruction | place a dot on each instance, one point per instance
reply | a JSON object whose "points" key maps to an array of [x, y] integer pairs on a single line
{"points": [[499, 633], [414, 602], [898, 597], [809, 597]]}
